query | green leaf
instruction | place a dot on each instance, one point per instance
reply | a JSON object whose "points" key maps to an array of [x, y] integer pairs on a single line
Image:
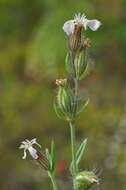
{"points": [[59, 113], [79, 154], [82, 106], [68, 64], [67, 59], [86, 68], [53, 156], [85, 72], [79, 63], [80, 151]]}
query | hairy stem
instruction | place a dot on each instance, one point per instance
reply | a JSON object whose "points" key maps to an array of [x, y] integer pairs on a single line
{"points": [[73, 151], [73, 146], [53, 180], [73, 135], [76, 88]]}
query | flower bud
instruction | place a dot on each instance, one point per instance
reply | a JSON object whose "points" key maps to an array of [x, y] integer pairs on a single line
{"points": [[65, 100], [85, 180]]}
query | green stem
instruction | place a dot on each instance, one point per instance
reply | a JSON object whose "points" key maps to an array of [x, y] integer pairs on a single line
{"points": [[73, 147], [76, 87], [73, 150], [53, 180], [72, 131]]}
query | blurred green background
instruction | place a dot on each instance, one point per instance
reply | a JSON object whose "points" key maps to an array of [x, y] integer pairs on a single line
{"points": [[32, 53]]}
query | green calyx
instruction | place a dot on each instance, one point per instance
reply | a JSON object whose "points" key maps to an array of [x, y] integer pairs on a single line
{"points": [[79, 67], [67, 106], [65, 103], [86, 179]]}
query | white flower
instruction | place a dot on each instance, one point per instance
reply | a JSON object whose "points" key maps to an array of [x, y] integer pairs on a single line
{"points": [[27, 145], [79, 19]]}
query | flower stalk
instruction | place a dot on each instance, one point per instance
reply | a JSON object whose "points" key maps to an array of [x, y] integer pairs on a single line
{"points": [[73, 147], [77, 67], [53, 180]]}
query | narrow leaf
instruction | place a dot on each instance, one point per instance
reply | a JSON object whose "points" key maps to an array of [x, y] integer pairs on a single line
{"points": [[80, 151], [58, 112], [53, 156], [69, 66], [67, 63], [79, 154], [85, 66], [82, 107]]}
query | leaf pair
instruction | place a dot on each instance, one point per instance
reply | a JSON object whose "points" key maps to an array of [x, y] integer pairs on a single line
{"points": [[80, 152]]}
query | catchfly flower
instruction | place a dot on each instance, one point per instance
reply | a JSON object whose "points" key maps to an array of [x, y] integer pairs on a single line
{"points": [[35, 154], [81, 20], [28, 145]]}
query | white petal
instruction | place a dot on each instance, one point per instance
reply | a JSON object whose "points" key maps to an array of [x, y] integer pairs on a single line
{"points": [[27, 140], [23, 142], [22, 146], [38, 144], [24, 155], [33, 141], [68, 27], [33, 152], [93, 24]]}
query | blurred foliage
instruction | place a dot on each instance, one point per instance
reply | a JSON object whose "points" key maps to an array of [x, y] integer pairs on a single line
{"points": [[32, 53]]}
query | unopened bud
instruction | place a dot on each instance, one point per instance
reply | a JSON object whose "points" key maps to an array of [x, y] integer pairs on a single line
{"points": [[65, 102], [85, 180]]}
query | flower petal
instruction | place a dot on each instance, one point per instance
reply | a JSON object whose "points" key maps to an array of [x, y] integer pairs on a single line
{"points": [[93, 24], [23, 142], [33, 141], [33, 152], [68, 27], [21, 146], [27, 140], [24, 156], [38, 144]]}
